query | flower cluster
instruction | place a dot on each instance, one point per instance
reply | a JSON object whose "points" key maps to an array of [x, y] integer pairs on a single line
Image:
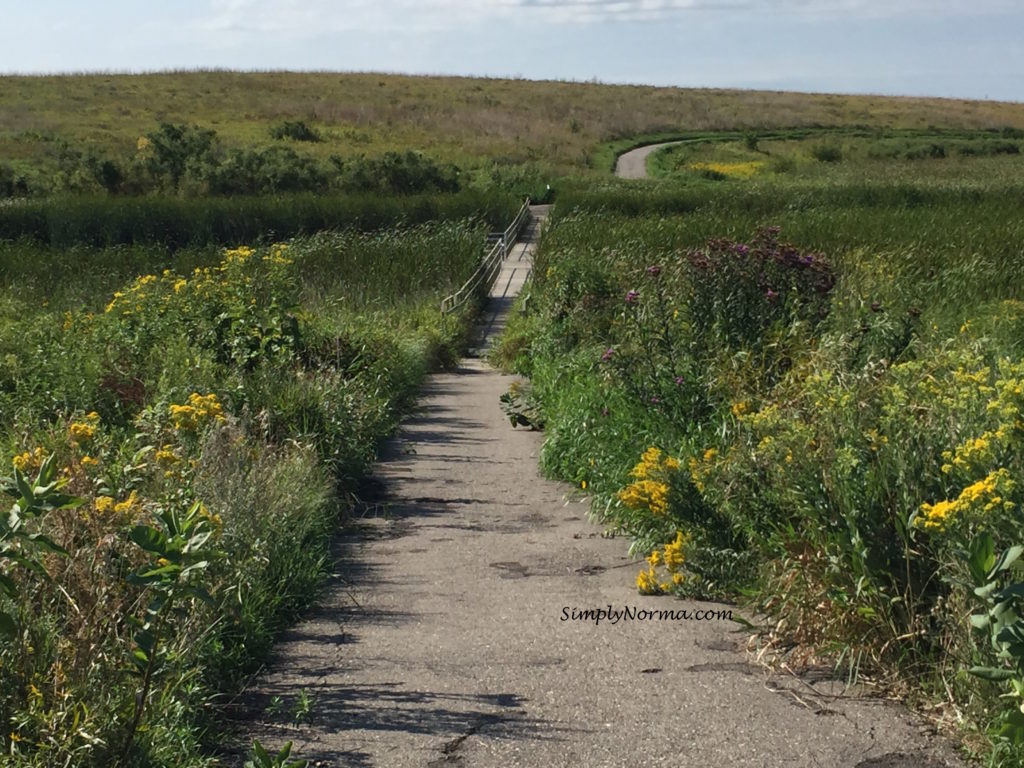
{"points": [[134, 298], [988, 455], [670, 559], [983, 497], [199, 411], [650, 488], [701, 468], [129, 510], [739, 170], [29, 461], [84, 431]]}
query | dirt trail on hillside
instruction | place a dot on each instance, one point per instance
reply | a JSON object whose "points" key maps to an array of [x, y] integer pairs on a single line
{"points": [[446, 637], [633, 164]]}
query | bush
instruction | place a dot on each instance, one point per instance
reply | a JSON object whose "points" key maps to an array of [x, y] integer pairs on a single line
{"points": [[827, 153], [296, 130], [396, 174]]}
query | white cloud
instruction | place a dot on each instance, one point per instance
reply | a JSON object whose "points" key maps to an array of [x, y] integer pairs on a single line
{"points": [[304, 17]]}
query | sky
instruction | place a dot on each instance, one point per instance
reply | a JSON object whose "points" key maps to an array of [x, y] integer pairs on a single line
{"points": [[948, 48]]}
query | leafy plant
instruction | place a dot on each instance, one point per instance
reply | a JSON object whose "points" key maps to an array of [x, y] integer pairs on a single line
{"points": [[296, 130], [1003, 623], [260, 758], [180, 546], [22, 545], [521, 406]]}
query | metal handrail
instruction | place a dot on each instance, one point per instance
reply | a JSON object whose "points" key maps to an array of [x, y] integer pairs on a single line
{"points": [[484, 275]]}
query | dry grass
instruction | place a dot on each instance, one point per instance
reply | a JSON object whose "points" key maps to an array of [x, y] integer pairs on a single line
{"points": [[465, 120]]}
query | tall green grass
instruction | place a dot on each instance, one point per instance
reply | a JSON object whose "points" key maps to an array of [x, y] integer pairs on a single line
{"points": [[180, 222]]}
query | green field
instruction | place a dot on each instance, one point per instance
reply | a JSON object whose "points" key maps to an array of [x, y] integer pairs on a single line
{"points": [[789, 368], [504, 130]]}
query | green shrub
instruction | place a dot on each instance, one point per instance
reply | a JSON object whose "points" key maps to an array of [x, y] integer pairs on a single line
{"points": [[296, 130], [827, 153]]}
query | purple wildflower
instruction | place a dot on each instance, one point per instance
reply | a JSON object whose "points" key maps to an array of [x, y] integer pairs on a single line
{"points": [[608, 354], [741, 249], [680, 380], [770, 295], [632, 296], [605, 411], [654, 270], [655, 399]]}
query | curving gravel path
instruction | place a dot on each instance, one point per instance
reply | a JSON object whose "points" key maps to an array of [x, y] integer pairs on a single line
{"points": [[633, 164], [448, 638]]}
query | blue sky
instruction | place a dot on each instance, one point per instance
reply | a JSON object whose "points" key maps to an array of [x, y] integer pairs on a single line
{"points": [[956, 48]]}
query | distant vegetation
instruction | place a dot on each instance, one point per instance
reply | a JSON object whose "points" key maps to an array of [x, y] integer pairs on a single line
{"points": [[62, 130]]}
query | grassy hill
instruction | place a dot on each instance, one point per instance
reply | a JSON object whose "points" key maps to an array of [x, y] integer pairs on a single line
{"points": [[469, 121]]}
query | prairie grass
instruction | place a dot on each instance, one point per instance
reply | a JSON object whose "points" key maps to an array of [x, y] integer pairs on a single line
{"points": [[472, 122]]}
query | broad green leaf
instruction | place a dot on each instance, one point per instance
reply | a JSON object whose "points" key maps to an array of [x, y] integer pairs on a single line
{"points": [[1013, 728], [981, 557], [1008, 558], [28, 563], [261, 753], [986, 591], [149, 539], [1014, 590], [157, 574], [992, 673], [45, 542], [23, 487]]}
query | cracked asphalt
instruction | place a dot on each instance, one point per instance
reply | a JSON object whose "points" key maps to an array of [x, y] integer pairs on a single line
{"points": [[443, 639]]}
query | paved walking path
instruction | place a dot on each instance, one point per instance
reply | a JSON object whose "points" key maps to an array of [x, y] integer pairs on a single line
{"points": [[633, 164], [443, 640]]}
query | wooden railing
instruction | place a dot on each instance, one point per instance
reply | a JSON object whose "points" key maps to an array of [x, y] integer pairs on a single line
{"points": [[480, 282]]}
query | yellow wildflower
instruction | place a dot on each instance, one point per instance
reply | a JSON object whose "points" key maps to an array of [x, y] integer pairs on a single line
{"points": [[739, 170], [29, 461], [103, 504], [82, 432], [166, 456], [981, 497], [646, 493], [646, 582], [674, 556], [199, 410]]}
